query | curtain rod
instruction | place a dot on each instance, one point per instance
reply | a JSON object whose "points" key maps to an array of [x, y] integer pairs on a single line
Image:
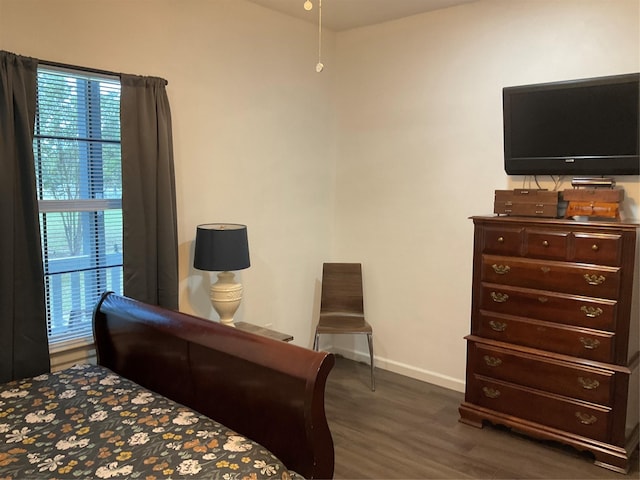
{"points": [[97, 71]]}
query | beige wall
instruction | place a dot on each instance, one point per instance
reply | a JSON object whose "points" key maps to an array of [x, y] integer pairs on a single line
{"points": [[252, 128], [420, 150], [379, 159]]}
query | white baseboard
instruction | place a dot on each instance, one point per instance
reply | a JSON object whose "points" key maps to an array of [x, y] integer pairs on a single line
{"points": [[402, 369]]}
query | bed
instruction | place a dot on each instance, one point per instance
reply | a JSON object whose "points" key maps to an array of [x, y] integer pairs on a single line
{"points": [[172, 395]]}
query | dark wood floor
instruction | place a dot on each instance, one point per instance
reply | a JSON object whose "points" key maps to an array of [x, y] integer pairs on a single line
{"points": [[409, 429]]}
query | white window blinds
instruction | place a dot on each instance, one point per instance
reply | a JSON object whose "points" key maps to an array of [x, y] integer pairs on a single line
{"points": [[79, 181]]}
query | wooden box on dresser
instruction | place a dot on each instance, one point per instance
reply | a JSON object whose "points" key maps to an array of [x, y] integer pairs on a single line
{"points": [[553, 349]]}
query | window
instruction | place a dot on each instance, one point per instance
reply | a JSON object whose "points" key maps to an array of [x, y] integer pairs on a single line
{"points": [[79, 182]]}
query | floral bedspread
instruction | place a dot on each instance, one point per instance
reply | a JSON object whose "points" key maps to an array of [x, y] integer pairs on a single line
{"points": [[87, 422]]}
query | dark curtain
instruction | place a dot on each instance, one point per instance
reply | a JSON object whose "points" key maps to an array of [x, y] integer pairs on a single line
{"points": [[148, 193], [24, 349]]}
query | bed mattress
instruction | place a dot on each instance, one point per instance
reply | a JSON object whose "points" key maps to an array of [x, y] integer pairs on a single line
{"points": [[87, 421]]}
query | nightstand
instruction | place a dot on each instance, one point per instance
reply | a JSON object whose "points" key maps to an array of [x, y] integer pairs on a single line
{"points": [[265, 332]]}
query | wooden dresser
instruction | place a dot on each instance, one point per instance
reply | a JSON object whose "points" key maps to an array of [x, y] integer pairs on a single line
{"points": [[553, 349]]}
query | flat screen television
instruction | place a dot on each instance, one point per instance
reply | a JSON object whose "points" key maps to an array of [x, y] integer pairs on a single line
{"points": [[577, 127]]}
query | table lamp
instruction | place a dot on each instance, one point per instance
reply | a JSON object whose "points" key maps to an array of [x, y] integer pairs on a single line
{"points": [[222, 247]]}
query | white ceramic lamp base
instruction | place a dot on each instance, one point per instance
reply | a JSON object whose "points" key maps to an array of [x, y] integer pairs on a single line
{"points": [[226, 295]]}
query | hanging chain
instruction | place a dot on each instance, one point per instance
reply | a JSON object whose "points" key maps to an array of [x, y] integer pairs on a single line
{"points": [[319, 66]]}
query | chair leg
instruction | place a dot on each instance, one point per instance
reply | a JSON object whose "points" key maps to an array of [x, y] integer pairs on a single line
{"points": [[373, 381], [315, 342]]}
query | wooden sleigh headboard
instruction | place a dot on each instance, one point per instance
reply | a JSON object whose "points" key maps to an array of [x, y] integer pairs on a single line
{"points": [[270, 391]]}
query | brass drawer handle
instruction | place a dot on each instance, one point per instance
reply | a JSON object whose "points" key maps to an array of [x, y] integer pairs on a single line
{"points": [[545, 269], [501, 269], [545, 243], [492, 361], [585, 418], [591, 312], [491, 392], [500, 239], [588, 383], [594, 279], [590, 343], [543, 299], [499, 297], [497, 326], [595, 247]]}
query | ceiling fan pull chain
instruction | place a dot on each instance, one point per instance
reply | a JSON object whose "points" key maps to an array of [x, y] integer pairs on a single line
{"points": [[319, 66]]}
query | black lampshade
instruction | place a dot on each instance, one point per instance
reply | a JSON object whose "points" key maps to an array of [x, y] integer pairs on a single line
{"points": [[221, 247]]}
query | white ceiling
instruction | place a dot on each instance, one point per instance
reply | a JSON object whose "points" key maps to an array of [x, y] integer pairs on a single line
{"points": [[340, 15]]}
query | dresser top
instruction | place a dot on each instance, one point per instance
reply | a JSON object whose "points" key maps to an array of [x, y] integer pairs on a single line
{"points": [[557, 221]]}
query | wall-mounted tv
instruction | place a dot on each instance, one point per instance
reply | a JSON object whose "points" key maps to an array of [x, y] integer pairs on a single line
{"points": [[576, 127]]}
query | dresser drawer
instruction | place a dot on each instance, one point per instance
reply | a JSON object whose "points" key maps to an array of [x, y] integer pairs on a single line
{"points": [[503, 240], [597, 248], [555, 411], [585, 383], [578, 342], [591, 281], [595, 313], [547, 244]]}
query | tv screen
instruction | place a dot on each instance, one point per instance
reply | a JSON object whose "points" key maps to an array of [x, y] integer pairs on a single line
{"points": [[577, 127]]}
